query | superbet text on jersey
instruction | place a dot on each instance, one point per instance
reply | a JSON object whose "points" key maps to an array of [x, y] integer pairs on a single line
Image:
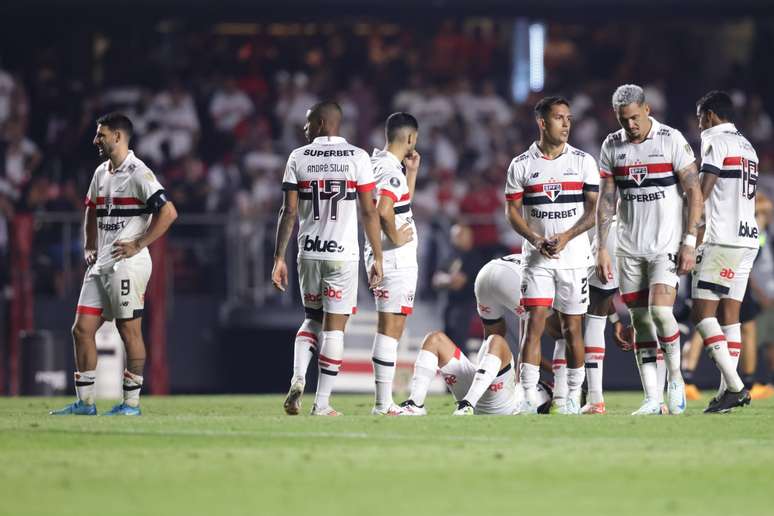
{"points": [[730, 208], [552, 193], [327, 174], [650, 209]]}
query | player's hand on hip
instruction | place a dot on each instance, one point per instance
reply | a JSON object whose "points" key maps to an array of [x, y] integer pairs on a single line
{"points": [[604, 266], [279, 274], [623, 336], [125, 249], [375, 275], [90, 256], [405, 234], [411, 161], [686, 259]]}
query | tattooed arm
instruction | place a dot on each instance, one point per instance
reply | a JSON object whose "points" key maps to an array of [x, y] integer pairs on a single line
{"points": [[689, 180], [287, 220], [605, 212]]}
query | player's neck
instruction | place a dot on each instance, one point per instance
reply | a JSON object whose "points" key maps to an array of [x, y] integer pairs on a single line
{"points": [[118, 157], [397, 151], [550, 150]]}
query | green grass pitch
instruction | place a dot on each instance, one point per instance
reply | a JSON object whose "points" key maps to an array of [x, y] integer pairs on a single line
{"points": [[235, 455]]}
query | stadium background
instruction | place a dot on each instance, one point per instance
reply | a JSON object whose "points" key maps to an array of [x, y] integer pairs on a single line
{"points": [[467, 72]]}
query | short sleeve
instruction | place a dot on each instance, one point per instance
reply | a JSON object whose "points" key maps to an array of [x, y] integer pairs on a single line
{"points": [[682, 153], [148, 189], [91, 196], [514, 184], [389, 185], [365, 174], [712, 155], [606, 167], [289, 179], [590, 174]]}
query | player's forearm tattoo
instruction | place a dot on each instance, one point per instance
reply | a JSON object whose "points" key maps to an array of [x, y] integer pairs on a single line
{"points": [[605, 208], [689, 180], [284, 231]]}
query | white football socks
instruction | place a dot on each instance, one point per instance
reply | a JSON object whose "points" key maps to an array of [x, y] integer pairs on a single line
{"points": [[717, 348], [645, 347], [85, 386], [594, 339], [668, 338], [384, 355], [529, 375], [329, 361], [575, 379], [132, 386], [425, 369], [485, 374], [559, 366], [304, 347]]}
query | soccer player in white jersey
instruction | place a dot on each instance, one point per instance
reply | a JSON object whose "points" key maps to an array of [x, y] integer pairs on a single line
{"points": [[551, 192], [322, 181], [729, 178], [490, 386], [643, 162], [126, 211], [394, 297]]}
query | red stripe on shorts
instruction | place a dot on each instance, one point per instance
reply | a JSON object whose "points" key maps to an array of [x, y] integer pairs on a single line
{"points": [[88, 310]]}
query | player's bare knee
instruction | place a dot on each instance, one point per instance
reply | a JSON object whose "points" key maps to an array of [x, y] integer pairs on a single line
{"points": [[498, 347], [434, 341]]}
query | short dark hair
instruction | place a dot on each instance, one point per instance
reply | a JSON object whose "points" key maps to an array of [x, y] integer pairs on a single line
{"points": [[397, 121], [543, 107], [719, 102], [117, 122], [326, 108]]}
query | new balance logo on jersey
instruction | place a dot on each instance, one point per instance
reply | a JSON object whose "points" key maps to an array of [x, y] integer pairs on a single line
{"points": [[638, 174], [333, 293], [322, 246], [552, 190], [746, 231], [727, 273]]}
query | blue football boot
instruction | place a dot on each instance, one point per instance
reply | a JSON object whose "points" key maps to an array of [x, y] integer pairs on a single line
{"points": [[123, 409], [77, 408]]}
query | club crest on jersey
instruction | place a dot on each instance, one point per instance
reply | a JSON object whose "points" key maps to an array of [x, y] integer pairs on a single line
{"points": [[638, 174], [552, 190]]}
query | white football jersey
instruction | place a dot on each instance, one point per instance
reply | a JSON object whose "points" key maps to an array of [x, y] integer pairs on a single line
{"points": [[650, 207], [730, 208], [391, 181], [328, 173], [553, 195], [124, 200]]}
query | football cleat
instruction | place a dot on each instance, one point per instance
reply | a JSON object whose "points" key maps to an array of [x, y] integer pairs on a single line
{"points": [[409, 408], [676, 396], [123, 409], [648, 408], [692, 392], [727, 401], [77, 408], [760, 391], [464, 408], [327, 411], [594, 408], [527, 408], [293, 400], [392, 410], [557, 405], [571, 408]]}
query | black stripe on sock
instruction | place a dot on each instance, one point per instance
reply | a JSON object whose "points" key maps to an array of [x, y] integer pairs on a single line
{"points": [[383, 362], [329, 372], [591, 365], [481, 371], [648, 360], [132, 387], [83, 384]]}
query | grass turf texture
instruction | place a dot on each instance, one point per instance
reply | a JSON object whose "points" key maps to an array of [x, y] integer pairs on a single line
{"points": [[229, 455]]}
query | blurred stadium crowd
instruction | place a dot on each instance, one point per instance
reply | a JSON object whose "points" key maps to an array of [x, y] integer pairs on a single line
{"points": [[217, 111]]}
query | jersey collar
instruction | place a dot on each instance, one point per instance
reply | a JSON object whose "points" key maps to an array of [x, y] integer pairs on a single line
{"points": [[537, 153], [329, 140], [720, 128], [381, 153], [124, 165]]}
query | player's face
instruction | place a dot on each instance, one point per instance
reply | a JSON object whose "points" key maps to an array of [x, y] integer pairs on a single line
{"points": [[703, 118], [105, 140], [634, 119], [556, 124]]}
